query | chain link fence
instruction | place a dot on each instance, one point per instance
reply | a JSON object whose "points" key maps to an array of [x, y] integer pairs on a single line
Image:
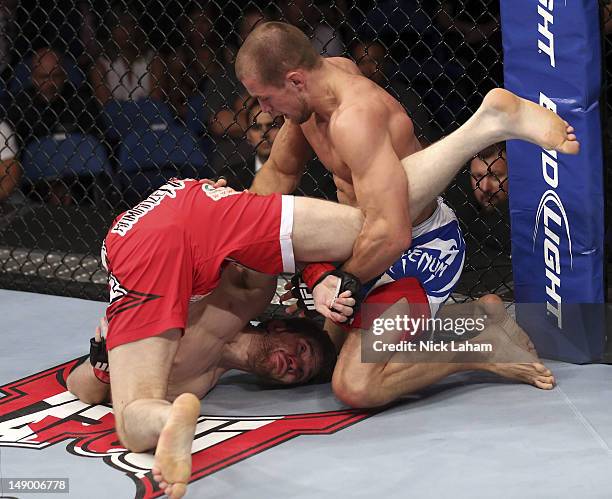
{"points": [[102, 102]]}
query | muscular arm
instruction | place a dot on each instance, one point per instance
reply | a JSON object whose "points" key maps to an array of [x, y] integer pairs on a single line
{"points": [[381, 188], [284, 168]]}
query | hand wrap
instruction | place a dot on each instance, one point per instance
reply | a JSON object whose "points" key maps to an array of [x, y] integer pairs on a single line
{"points": [[303, 283], [98, 357]]}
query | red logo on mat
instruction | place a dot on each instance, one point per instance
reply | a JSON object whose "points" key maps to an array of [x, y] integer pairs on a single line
{"points": [[37, 412]]}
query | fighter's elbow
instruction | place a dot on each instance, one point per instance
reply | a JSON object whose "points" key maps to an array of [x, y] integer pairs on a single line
{"points": [[400, 240], [404, 240]]}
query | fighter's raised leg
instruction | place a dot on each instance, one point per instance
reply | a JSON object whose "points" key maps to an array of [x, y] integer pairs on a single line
{"points": [[326, 231], [501, 116], [323, 230]]}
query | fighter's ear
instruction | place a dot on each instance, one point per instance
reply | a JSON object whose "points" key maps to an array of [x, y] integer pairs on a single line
{"points": [[296, 78]]}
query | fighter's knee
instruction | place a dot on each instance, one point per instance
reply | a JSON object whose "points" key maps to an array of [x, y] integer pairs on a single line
{"points": [[70, 384], [355, 391], [490, 298], [121, 434], [127, 440]]}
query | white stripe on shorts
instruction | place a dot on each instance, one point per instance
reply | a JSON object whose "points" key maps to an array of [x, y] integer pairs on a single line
{"points": [[286, 230]]}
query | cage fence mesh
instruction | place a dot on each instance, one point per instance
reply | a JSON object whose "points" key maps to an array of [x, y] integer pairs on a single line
{"points": [[102, 102]]}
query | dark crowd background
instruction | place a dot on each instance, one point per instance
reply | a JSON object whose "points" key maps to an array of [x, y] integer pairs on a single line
{"points": [[103, 101]]}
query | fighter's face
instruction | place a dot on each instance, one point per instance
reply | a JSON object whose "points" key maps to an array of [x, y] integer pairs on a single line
{"points": [[489, 177], [287, 100], [288, 357]]}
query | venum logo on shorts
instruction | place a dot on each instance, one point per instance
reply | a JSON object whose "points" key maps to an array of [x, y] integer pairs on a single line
{"points": [[436, 260], [434, 257], [556, 226], [37, 412], [130, 217]]}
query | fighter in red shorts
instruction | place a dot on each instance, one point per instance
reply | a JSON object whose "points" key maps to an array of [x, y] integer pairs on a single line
{"points": [[171, 249]]}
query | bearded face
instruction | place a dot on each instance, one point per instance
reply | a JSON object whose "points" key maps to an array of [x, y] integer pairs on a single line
{"points": [[286, 357]]}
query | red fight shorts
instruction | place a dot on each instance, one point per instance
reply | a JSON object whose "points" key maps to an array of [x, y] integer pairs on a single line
{"points": [[383, 297], [173, 245]]}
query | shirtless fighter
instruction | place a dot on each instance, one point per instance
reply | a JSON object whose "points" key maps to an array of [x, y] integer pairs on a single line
{"points": [[174, 244], [360, 133]]}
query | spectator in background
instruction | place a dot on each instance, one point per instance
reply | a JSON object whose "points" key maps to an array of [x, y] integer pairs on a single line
{"points": [[479, 196], [10, 171], [470, 29], [51, 105], [260, 135], [320, 21], [251, 17], [200, 82], [489, 177], [90, 47], [372, 59], [316, 182], [128, 69], [7, 21], [196, 57]]}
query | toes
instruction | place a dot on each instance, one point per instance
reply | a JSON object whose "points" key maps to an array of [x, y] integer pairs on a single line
{"points": [[542, 369], [544, 382], [178, 490], [543, 386]]}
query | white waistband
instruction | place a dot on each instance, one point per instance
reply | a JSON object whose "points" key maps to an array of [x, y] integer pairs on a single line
{"points": [[442, 215]]}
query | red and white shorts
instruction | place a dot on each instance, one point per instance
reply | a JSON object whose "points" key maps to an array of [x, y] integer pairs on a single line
{"points": [[159, 257]]}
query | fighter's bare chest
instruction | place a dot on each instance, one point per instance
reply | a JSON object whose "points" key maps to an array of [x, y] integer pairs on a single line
{"points": [[318, 137]]}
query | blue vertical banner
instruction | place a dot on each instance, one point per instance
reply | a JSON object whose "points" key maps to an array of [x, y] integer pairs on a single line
{"points": [[552, 57]]}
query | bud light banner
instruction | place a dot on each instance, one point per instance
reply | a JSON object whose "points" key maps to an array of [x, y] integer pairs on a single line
{"points": [[552, 57]]}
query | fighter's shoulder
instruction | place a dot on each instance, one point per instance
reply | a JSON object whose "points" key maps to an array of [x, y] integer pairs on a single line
{"points": [[345, 64], [354, 114]]}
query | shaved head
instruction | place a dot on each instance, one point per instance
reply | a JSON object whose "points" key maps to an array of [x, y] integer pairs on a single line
{"points": [[273, 49]]}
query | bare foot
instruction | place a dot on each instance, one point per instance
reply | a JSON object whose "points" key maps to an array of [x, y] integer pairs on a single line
{"points": [[512, 359], [172, 468], [517, 334], [493, 307], [525, 120], [535, 374]]}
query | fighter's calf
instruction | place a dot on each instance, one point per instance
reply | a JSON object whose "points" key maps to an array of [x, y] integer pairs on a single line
{"points": [[354, 383]]}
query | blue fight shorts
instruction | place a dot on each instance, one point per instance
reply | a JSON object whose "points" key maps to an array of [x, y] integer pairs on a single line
{"points": [[435, 258]]}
